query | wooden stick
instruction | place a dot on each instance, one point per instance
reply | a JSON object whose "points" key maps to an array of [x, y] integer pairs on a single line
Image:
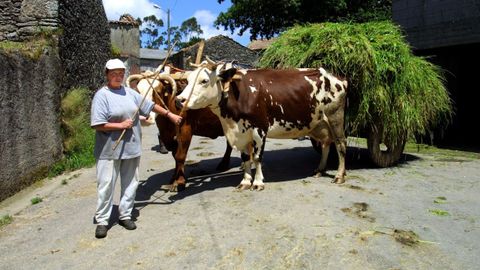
{"points": [[200, 52]]}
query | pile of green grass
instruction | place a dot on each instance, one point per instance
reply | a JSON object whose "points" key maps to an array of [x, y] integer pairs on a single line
{"points": [[78, 136], [388, 85]]}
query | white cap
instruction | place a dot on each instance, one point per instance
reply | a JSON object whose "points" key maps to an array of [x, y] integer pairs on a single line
{"points": [[115, 64]]}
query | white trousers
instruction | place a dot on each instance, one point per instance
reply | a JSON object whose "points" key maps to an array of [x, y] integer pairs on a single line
{"points": [[107, 174]]}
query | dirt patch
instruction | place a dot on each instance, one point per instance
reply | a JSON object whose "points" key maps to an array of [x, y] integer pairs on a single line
{"points": [[205, 154], [354, 187], [407, 238], [359, 209]]}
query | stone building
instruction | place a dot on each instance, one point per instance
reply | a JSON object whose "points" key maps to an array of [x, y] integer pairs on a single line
{"points": [[125, 35], [150, 59], [448, 32]]}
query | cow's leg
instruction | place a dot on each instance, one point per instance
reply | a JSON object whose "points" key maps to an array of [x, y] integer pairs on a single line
{"points": [[225, 163], [259, 138], [341, 145], [323, 162], [184, 137], [247, 172], [336, 124]]}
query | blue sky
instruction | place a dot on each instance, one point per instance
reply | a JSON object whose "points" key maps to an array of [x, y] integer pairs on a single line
{"points": [[206, 11]]}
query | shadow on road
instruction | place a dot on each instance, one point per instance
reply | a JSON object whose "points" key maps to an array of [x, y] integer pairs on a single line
{"points": [[278, 166]]}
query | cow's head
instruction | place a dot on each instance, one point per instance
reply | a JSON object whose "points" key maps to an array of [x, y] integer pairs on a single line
{"points": [[206, 84], [146, 83]]}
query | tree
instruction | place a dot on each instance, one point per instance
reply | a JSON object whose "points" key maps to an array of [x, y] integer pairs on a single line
{"points": [[184, 36], [154, 41], [187, 34], [190, 27], [269, 17]]}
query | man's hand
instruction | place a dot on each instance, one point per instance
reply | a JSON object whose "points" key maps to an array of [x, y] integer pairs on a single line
{"points": [[176, 119], [126, 124]]}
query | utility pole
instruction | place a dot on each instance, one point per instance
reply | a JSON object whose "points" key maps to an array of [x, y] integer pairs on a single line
{"points": [[168, 24], [168, 29]]}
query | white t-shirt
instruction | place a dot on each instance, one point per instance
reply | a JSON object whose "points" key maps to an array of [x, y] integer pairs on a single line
{"points": [[117, 105]]}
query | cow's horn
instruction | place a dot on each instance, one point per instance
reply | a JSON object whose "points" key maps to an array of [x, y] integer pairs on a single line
{"points": [[133, 77], [168, 78], [210, 61], [194, 65]]}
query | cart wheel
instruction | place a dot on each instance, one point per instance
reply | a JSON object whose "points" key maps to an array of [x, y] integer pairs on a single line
{"points": [[389, 154]]}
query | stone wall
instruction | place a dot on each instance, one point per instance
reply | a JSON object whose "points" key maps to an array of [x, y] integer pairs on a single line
{"points": [[85, 43], [30, 139], [22, 19], [31, 88], [435, 24]]}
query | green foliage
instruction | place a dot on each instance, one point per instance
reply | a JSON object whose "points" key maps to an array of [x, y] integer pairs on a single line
{"points": [[35, 47], [115, 51], [78, 136], [31, 49], [184, 36], [439, 212], [5, 220], [190, 27], [151, 25], [192, 41], [269, 17], [388, 85], [36, 200]]}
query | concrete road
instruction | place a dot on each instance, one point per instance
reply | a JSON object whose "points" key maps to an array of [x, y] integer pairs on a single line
{"points": [[422, 214]]}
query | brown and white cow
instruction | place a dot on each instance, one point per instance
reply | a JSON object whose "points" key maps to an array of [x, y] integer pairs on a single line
{"points": [[271, 103], [200, 122]]}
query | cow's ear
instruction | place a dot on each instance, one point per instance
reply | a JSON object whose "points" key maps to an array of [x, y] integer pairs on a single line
{"points": [[227, 74]]}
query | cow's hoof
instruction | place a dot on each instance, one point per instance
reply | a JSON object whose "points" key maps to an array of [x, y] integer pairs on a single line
{"points": [[243, 186], [338, 180], [258, 187], [177, 187], [317, 173]]}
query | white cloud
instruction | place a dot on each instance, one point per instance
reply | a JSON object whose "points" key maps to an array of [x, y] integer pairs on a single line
{"points": [[205, 19], [137, 8]]}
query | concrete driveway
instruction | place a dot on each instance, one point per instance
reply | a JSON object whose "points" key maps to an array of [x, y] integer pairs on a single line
{"points": [[422, 214]]}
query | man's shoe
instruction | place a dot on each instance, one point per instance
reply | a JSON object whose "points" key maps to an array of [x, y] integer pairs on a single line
{"points": [[101, 231], [161, 146], [127, 224], [162, 149]]}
